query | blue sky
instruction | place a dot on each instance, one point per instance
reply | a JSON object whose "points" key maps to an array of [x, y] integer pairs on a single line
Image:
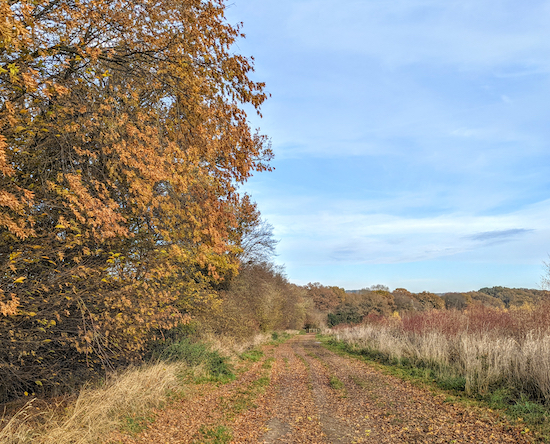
{"points": [[411, 139]]}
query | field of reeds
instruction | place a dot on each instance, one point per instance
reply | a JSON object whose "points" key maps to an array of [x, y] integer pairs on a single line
{"points": [[481, 351]]}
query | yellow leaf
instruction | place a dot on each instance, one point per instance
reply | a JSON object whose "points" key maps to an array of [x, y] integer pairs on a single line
{"points": [[19, 280], [60, 226], [14, 256]]}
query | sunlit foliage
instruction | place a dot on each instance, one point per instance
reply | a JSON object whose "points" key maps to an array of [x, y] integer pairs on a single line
{"points": [[123, 140]]}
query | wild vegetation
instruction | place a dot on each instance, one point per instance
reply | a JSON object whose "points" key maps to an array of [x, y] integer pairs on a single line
{"points": [[498, 355], [127, 399], [480, 349], [355, 306], [125, 240], [123, 143]]}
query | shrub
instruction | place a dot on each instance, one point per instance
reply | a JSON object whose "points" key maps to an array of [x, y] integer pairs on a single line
{"points": [[195, 354]]}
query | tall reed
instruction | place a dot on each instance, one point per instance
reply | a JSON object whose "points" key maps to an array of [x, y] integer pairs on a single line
{"points": [[488, 348]]}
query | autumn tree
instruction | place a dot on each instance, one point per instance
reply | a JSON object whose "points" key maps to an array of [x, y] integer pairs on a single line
{"points": [[257, 242], [429, 301], [258, 299], [123, 141], [325, 298], [458, 301], [515, 296], [361, 303], [404, 300]]}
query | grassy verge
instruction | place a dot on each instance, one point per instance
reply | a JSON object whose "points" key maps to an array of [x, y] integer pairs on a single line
{"points": [[125, 401], [532, 416], [253, 355], [205, 364]]}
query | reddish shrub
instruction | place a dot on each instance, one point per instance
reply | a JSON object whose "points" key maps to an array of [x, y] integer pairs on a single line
{"points": [[480, 319], [448, 322]]}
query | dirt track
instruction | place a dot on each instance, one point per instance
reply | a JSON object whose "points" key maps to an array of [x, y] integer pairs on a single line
{"points": [[316, 396]]}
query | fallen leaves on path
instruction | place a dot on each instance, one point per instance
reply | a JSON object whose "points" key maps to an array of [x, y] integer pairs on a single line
{"points": [[316, 396]]}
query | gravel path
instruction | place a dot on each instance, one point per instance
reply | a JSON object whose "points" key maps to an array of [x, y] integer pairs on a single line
{"points": [[316, 396]]}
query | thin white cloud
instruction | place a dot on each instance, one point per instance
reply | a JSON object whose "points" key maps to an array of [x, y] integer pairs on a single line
{"points": [[377, 238]]}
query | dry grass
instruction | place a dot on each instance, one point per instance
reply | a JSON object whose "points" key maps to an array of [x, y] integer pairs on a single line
{"points": [[97, 411], [233, 347], [485, 357]]}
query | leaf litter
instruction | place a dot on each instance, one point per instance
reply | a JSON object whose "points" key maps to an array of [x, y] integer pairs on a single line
{"points": [[289, 396]]}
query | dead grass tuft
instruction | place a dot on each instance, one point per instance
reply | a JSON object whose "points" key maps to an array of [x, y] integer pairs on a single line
{"points": [[233, 347], [97, 411]]}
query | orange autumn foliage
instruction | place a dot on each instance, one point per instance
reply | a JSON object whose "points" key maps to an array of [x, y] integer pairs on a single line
{"points": [[123, 140]]}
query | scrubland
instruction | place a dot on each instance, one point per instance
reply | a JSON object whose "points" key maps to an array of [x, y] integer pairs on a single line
{"points": [[498, 355], [484, 347]]}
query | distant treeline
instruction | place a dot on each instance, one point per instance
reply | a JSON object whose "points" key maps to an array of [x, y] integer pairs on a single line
{"points": [[335, 306]]}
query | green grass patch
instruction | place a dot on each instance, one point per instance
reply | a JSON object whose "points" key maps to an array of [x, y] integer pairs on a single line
{"points": [[530, 412], [313, 355], [214, 435], [196, 354], [253, 355], [453, 383], [279, 338], [136, 424], [261, 382], [517, 408], [244, 398], [335, 383], [268, 363]]}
